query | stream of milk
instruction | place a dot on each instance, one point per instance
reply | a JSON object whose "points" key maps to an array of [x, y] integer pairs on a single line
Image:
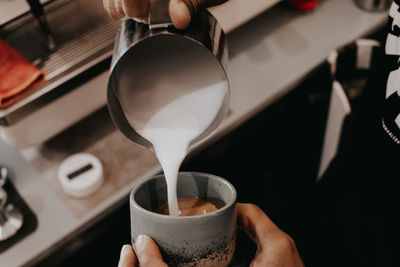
{"points": [[175, 104], [174, 126]]}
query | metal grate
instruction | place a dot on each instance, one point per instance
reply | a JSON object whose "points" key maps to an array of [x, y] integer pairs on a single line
{"points": [[83, 32]]}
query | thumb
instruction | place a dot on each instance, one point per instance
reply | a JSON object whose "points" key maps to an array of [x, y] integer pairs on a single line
{"points": [[148, 253], [181, 11], [127, 257]]}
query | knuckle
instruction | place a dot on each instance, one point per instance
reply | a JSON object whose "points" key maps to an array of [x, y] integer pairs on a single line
{"points": [[258, 261], [134, 9], [284, 243], [254, 208], [131, 12]]}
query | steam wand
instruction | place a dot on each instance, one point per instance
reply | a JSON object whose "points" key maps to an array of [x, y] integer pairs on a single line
{"points": [[38, 12]]}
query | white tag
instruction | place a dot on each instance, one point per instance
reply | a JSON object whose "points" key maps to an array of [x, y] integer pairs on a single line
{"points": [[364, 52]]}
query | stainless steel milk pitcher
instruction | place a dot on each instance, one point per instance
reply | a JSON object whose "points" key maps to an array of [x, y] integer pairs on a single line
{"points": [[137, 41]]}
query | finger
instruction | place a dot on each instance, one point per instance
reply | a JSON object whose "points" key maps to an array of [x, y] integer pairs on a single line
{"points": [[275, 247], [148, 253], [182, 10], [257, 225], [109, 6], [136, 9], [260, 260], [282, 254], [118, 7], [179, 13], [127, 257], [252, 217]]}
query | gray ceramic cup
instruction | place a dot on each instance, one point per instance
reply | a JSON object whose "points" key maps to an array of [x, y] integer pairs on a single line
{"points": [[200, 240]]}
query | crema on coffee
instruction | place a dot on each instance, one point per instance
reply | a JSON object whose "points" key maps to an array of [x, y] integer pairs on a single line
{"points": [[190, 206]]}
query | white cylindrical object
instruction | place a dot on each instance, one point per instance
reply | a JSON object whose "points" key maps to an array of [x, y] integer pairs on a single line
{"points": [[81, 175]]}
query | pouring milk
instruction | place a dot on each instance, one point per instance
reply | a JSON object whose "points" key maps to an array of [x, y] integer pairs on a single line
{"points": [[174, 102]]}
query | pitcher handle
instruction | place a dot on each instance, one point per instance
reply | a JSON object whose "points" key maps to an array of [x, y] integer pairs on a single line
{"points": [[159, 14]]}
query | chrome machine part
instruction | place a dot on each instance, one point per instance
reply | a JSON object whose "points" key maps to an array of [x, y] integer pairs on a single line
{"points": [[11, 218], [3, 175], [84, 41]]}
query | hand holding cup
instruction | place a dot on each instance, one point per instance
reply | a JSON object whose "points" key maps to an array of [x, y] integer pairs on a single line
{"points": [[275, 248]]}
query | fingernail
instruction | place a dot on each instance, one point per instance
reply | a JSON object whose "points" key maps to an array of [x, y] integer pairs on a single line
{"points": [[140, 240], [124, 250]]}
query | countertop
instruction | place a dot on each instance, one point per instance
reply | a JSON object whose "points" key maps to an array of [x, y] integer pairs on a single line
{"points": [[269, 56]]}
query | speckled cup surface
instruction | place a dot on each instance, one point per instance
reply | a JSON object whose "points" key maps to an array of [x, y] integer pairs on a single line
{"points": [[201, 240]]}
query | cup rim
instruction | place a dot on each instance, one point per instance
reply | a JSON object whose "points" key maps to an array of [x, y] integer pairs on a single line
{"points": [[210, 214]]}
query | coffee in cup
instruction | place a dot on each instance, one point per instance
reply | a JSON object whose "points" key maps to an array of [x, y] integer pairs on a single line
{"points": [[190, 206]]}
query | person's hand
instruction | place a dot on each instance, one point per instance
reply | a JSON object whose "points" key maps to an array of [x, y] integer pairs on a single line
{"points": [[180, 10], [275, 248], [147, 254]]}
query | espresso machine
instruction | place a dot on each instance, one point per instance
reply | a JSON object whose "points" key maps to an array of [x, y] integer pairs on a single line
{"points": [[71, 41]]}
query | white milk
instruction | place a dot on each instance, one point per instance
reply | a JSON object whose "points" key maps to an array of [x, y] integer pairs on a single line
{"points": [[174, 126], [175, 105]]}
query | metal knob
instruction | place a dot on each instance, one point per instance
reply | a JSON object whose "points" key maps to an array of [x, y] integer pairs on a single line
{"points": [[3, 194], [374, 5], [10, 217]]}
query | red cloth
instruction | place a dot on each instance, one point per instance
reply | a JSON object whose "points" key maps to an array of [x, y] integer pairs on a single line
{"points": [[17, 75], [304, 4]]}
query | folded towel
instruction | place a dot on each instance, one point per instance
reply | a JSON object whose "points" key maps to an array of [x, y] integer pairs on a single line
{"points": [[17, 75]]}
